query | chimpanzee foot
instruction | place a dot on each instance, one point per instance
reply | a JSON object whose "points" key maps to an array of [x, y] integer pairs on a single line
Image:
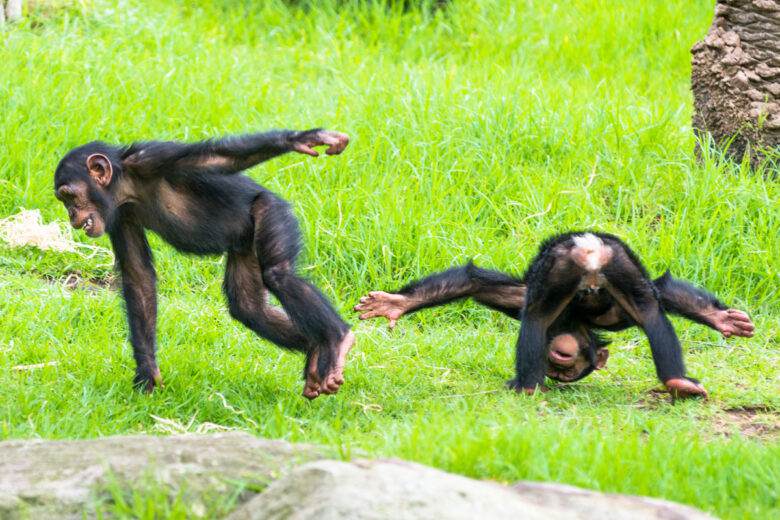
{"points": [[311, 388], [379, 303], [732, 322], [330, 384], [335, 378], [512, 384], [683, 388], [306, 141]]}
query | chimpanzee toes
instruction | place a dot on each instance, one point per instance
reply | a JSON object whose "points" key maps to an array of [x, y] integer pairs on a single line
{"points": [[310, 393]]}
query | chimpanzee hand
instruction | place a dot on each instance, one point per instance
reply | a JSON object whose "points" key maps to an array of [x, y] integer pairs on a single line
{"points": [[684, 388], [512, 384], [304, 142], [732, 322], [147, 380]]}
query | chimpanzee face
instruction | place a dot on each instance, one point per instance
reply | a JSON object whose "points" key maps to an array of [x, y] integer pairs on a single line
{"points": [[82, 211], [82, 188], [570, 358]]}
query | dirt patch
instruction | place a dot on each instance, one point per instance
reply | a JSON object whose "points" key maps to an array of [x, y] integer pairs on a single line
{"points": [[757, 422]]}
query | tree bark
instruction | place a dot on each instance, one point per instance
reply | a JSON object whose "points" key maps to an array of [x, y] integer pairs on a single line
{"points": [[2, 13], [736, 78], [13, 10]]}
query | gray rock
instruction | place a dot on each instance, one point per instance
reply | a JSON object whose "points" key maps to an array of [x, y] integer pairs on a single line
{"points": [[69, 479], [56, 479], [378, 490], [592, 504]]}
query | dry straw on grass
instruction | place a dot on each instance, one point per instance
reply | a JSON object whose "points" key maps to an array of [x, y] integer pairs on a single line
{"points": [[27, 228]]}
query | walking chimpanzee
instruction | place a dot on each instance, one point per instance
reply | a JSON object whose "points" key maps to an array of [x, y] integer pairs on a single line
{"points": [[194, 196], [578, 283]]}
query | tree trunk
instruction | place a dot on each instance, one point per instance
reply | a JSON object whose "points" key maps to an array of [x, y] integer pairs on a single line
{"points": [[736, 78], [2, 13], [13, 10]]}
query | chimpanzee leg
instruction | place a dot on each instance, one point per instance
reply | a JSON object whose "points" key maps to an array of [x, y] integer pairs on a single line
{"points": [[496, 290], [247, 302], [277, 244], [680, 297], [634, 292], [543, 306]]}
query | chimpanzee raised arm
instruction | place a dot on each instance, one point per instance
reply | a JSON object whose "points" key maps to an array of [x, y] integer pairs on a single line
{"points": [[572, 353], [227, 155], [188, 194]]}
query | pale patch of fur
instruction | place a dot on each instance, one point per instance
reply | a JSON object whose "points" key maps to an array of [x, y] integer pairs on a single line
{"points": [[592, 252]]}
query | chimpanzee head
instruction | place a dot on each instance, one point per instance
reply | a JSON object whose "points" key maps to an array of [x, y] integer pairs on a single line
{"points": [[83, 182], [573, 356]]}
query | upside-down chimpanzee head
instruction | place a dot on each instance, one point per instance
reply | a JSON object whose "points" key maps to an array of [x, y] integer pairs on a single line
{"points": [[83, 182], [572, 356]]}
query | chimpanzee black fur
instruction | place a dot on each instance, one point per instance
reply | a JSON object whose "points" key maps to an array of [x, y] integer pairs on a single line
{"points": [[578, 283], [194, 196]]}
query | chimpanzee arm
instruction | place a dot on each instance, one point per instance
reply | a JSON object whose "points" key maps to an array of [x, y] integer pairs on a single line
{"points": [[228, 155], [684, 299], [496, 290], [134, 259], [551, 286], [628, 284]]}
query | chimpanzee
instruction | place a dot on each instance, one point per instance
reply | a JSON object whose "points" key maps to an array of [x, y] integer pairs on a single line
{"points": [[194, 196], [578, 283]]}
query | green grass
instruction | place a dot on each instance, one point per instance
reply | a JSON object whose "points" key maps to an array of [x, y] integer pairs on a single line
{"points": [[478, 130]]}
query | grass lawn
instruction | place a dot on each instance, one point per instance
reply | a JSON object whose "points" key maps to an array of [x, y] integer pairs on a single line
{"points": [[477, 131]]}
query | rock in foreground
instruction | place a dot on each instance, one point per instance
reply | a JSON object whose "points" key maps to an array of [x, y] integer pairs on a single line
{"points": [[66, 479]]}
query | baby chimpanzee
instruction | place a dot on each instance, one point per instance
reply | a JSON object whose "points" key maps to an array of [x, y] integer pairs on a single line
{"points": [[577, 284], [194, 196]]}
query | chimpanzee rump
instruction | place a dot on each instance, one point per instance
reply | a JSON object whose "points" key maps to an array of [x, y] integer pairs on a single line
{"points": [[194, 196], [578, 283]]}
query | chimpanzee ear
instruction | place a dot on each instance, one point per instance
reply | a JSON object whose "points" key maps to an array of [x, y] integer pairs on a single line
{"points": [[99, 167], [602, 355]]}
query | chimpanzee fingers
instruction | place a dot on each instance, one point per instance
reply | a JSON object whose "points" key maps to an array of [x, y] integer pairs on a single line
{"points": [[147, 381], [741, 319], [305, 149], [514, 385], [738, 323], [736, 313], [337, 141], [370, 314], [391, 324]]}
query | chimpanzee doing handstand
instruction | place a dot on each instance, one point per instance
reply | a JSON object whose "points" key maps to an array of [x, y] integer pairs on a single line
{"points": [[578, 283], [193, 196]]}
